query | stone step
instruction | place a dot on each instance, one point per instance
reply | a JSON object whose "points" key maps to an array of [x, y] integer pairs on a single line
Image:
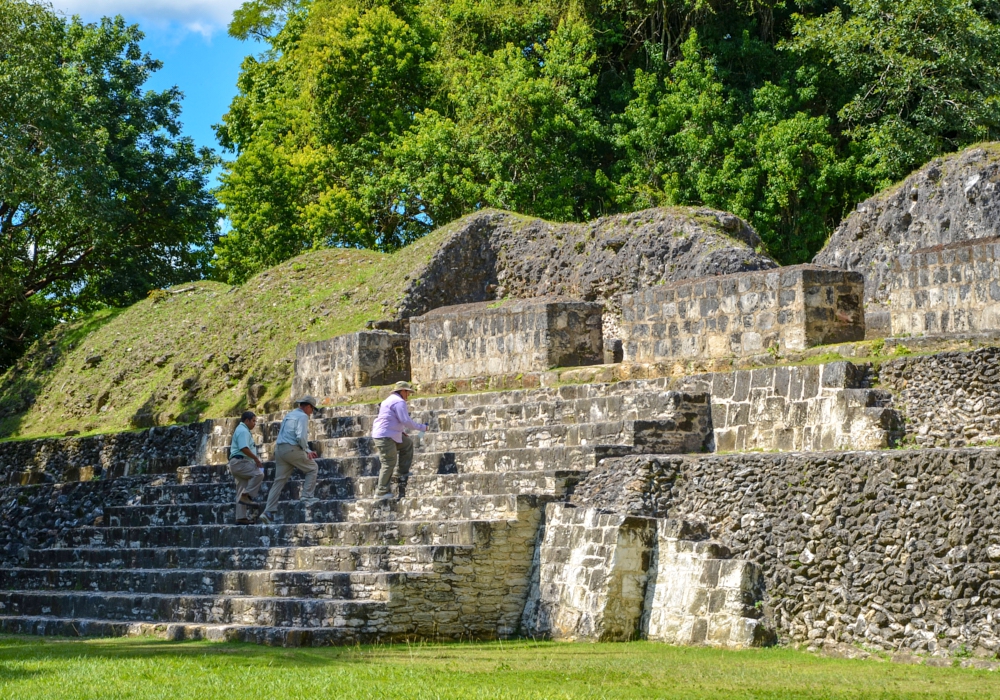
{"points": [[339, 585], [663, 436], [412, 558], [576, 458], [47, 625], [344, 467], [204, 609], [654, 404], [552, 482], [460, 507], [294, 535]]}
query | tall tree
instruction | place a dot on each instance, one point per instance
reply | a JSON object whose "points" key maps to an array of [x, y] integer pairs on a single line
{"points": [[101, 200], [368, 122]]}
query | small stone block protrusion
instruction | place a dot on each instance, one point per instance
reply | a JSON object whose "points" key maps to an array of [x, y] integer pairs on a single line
{"points": [[505, 337], [338, 366]]}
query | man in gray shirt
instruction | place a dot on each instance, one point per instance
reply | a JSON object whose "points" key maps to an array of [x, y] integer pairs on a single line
{"points": [[291, 452]]}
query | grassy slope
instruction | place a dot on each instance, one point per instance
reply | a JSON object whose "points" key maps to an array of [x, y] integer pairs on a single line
{"points": [[219, 340], [148, 668]]}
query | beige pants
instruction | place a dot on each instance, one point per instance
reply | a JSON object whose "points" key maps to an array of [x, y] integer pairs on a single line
{"points": [[248, 480], [288, 458]]}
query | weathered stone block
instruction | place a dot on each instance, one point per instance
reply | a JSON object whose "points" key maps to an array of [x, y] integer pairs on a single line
{"points": [[334, 367], [947, 289], [748, 314], [505, 338]]}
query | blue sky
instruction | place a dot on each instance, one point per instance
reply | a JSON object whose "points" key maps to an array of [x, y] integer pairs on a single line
{"points": [[190, 38]]}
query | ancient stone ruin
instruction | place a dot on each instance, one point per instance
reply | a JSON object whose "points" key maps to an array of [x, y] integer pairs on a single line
{"points": [[733, 480]]}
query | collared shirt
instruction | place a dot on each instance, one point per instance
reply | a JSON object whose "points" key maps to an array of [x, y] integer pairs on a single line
{"points": [[241, 438], [295, 429], [393, 419]]}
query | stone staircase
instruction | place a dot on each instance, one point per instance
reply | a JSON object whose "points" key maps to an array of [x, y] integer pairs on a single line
{"points": [[450, 558]]}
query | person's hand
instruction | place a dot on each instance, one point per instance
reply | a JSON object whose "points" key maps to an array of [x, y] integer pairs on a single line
{"points": [[312, 455]]}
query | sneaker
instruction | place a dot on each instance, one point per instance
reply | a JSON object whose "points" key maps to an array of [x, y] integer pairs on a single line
{"points": [[383, 496], [309, 501], [266, 517], [243, 521]]}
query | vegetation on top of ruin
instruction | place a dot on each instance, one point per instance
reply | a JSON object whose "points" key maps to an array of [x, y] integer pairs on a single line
{"points": [[195, 350], [206, 349]]}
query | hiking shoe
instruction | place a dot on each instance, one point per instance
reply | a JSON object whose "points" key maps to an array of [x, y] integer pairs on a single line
{"points": [[243, 521], [266, 517]]}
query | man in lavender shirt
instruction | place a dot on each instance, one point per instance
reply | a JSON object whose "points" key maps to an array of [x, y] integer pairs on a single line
{"points": [[394, 445]]}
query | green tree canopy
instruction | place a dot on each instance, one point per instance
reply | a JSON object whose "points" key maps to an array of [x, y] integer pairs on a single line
{"points": [[367, 122], [100, 199]]}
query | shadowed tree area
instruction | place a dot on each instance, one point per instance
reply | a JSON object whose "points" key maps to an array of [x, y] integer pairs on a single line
{"points": [[366, 123]]}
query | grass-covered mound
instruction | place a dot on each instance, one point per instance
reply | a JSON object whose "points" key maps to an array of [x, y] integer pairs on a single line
{"points": [[196, 350], [208, 350], [149, 668]]}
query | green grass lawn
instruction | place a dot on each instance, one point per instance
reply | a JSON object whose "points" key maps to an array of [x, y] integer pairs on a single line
{"points": [[150, 668]]}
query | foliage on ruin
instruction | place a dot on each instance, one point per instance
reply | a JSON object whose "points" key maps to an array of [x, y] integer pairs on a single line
{"points": [[101, 200], [369, 122]]}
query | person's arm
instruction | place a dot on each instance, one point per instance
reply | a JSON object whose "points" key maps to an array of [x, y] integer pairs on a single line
{"points": [[302, 431], [249, 453], [403, 417]]}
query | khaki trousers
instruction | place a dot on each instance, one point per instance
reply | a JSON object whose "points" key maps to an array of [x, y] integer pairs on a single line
{"points": [[248, 480], [392, 454], [288, 458]]}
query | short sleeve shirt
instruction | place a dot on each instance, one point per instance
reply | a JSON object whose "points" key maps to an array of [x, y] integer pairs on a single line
{"points": [[241, 438]]}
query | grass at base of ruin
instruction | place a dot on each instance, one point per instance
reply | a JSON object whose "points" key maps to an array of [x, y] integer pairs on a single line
{"points": [[150, 668]]}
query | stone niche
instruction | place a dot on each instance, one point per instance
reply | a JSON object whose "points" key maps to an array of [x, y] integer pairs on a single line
{"points": [[496, 338], [788, 309], [947, 289], [338, 366]]}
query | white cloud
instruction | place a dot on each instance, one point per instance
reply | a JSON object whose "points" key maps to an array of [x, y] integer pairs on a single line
{"points": [[201, 16]]}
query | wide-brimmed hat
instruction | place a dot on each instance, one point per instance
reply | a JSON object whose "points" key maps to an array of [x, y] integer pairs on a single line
{"points": [[404, 386], [307, 399]]}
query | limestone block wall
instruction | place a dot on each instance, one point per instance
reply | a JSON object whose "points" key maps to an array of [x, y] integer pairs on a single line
{"points": [[788, 309], [334, 367], [591, 575], [699, 595], [604, 576], [947, 289], [496, 338], [818, 407], [897, 550], [156, 449]]}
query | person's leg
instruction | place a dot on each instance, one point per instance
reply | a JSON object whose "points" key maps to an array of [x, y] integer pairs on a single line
{"points": [[387, 457], [301, 461], [405, 449], [243, 470], [282, 472]]}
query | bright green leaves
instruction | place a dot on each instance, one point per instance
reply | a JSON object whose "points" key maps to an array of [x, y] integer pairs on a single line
{"points": [[100, 201], [368, 122], [910, 80]]}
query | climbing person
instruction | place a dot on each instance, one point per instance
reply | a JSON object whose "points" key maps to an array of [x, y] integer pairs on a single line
{"points": [[291, 451], [395, 448], [245, 466]]}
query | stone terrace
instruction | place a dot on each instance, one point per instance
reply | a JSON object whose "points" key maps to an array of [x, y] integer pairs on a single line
{"points": [[451, 558]]}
